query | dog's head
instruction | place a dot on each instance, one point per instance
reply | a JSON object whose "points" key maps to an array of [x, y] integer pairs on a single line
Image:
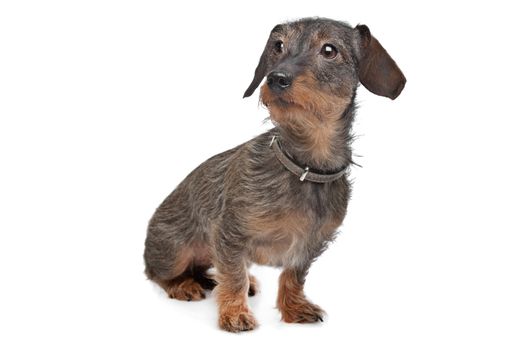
{"points": [[316, 65]]}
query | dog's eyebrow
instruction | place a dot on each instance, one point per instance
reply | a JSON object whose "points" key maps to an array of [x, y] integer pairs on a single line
{"points": [[278, 29]]}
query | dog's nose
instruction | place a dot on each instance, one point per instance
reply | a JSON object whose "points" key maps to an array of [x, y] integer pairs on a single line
{"points": [[278, 81]]}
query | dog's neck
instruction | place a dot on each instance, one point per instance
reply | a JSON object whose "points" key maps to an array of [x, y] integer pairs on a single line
{"points": [[320, 143]]}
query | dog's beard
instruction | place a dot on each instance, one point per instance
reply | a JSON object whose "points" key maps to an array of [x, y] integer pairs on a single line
{"points": [[283, 99], [285, 107], [301, 100]]}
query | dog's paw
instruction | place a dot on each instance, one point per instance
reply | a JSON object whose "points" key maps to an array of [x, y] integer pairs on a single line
{"points": [[237, 322], [187, 290], [304, 312]]}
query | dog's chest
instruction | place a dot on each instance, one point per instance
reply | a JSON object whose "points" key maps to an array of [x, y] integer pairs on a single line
{"points": [[287, 235]]}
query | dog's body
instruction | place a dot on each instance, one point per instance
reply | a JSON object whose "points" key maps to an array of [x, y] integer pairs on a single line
{"points": [[247, 205]]}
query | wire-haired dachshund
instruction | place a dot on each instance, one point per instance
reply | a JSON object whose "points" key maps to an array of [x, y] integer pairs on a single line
{"points": [[279, 198]]}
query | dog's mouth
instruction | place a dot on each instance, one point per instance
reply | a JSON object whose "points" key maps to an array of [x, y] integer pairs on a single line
{"points": [[282, 100]]}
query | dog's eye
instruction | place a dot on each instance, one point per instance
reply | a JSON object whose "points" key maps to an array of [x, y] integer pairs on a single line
{"points": [[329, 51], [279, 46]]}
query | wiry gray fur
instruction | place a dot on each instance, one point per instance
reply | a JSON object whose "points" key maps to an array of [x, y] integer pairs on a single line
{"points": [[243, 206]]}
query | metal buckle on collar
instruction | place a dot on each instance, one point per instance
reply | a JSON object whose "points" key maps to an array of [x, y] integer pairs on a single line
{"points": [[273, 140], [303, 176]]}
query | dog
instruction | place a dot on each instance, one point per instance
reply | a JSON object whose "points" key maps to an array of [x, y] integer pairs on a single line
{"points": [[279, 198]]}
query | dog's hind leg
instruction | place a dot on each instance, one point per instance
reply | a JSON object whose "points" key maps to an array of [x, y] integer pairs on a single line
{"points": [[180, 271]]}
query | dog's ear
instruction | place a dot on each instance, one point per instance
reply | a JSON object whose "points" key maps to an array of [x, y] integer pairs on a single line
{"points": [[259, 74], [378, 72], [261, 70]]}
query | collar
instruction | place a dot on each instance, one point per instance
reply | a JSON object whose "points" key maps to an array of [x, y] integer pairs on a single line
{"points": [[303, 173]]}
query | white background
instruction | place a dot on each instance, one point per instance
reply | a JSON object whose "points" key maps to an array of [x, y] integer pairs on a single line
{"points": [[106, 105]]}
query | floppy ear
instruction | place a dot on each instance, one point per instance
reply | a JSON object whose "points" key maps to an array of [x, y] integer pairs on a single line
{"points": [[378, 72], [260, 72]]}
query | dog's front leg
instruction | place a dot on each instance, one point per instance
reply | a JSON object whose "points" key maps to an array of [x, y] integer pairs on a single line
{"points": [[291, 301], [232, 296], [233, 285]]}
